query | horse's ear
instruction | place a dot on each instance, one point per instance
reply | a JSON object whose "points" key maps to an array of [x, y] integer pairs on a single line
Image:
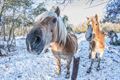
{"points": [[96, 16], [57, 11], [87, 18]]}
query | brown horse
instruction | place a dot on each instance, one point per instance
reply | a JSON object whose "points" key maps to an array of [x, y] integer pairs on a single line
{"points": [[49, 30], [97, 44]]}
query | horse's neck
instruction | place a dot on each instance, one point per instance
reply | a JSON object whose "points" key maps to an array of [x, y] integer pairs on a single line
{"points": [[69, 47], [62, 42], [96, 30], [99, 36]]}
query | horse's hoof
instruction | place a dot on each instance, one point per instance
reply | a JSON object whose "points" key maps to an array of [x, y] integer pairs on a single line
{"points": [[96, 56], [89, 70], [89, 56], [58, 72], [67, 76], [98, 68], [47, 50]]}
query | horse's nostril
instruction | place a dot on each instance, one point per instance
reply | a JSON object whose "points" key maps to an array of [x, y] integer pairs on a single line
{"points": [[38, 39]]}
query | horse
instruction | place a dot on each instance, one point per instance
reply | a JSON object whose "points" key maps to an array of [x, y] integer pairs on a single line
{"points": [[113, 37], [89, 37], [97, 43], [49, 30]]}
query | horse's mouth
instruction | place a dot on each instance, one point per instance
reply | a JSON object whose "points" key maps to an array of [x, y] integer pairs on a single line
{"points": [[35, 46]]}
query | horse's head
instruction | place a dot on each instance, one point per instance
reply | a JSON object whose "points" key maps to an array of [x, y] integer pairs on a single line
{"points": [[34, 40], [45, 30], [93, 21]]}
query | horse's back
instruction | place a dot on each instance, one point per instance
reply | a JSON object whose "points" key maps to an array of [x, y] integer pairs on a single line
{"points": [[71, 45], [67, 50]]}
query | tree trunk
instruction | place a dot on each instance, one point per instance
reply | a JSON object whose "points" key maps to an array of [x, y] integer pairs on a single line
{"points": [[11, 33], [2, 25], [4, 38]]}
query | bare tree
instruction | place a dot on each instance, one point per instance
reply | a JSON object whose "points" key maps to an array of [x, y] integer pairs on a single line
{"points": [[2, 26]]}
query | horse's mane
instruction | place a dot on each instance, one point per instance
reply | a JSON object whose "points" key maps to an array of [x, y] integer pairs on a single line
{"points": [[62, 32], [44, 15]]}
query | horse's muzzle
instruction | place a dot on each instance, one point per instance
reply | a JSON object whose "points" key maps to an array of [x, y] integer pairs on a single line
{"points": [[35, 44]]}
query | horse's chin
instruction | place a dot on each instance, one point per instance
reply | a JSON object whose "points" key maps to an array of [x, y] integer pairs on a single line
{"points": [[39, 50]]}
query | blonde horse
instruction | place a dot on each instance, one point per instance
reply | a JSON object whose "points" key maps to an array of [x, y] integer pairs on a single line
{"points": [[97, 43], [49, 30]]}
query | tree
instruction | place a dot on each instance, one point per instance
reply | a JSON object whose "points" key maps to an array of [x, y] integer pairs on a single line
{"points": [[70, 1], [112, 12], [39, 9]]}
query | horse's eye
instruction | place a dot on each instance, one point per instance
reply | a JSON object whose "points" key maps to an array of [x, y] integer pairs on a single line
{"points": [[54, 20], [51, 30]]}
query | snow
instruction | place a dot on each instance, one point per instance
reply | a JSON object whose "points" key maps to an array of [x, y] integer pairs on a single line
{"points": [[21, 65]]}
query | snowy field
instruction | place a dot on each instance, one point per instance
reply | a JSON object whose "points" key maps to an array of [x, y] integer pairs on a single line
{"points": [[21, 65]]}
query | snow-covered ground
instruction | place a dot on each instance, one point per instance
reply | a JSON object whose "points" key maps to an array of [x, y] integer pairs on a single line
{"points": [[21, 65]]}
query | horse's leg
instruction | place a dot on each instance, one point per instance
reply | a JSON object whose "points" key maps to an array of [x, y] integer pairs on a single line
{"points": [[90, 68], [99, 59], [111, 42], [68, 67], [98, 66], [93, 55], [96, 56], [93, 58], [90, 50], [58, 62], [58, 66]]}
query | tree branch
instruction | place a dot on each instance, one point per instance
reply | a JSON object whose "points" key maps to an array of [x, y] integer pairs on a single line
{"points": [[97, 5], [61, 2]]}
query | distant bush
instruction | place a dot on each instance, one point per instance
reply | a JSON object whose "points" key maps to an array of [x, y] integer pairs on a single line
{"points": [[110, 26], [80, 29], [22, 31]]}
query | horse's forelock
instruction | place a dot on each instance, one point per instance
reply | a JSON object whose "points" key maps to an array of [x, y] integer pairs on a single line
{"points": [[45, 15]]}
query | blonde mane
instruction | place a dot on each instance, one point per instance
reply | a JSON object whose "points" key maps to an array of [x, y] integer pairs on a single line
{"points": [[62, 32]]}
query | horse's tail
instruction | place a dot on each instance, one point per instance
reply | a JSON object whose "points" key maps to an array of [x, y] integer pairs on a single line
{"points": [[75, 68]]}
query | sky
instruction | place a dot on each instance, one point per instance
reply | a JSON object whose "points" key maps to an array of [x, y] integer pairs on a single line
{"points": [[78, 10]]}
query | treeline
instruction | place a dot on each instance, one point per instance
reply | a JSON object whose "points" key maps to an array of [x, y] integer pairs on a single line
{"points": [[18, 13], [112, 11]]}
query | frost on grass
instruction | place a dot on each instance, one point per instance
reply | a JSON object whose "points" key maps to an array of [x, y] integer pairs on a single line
{"points": [[21, 65]]}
